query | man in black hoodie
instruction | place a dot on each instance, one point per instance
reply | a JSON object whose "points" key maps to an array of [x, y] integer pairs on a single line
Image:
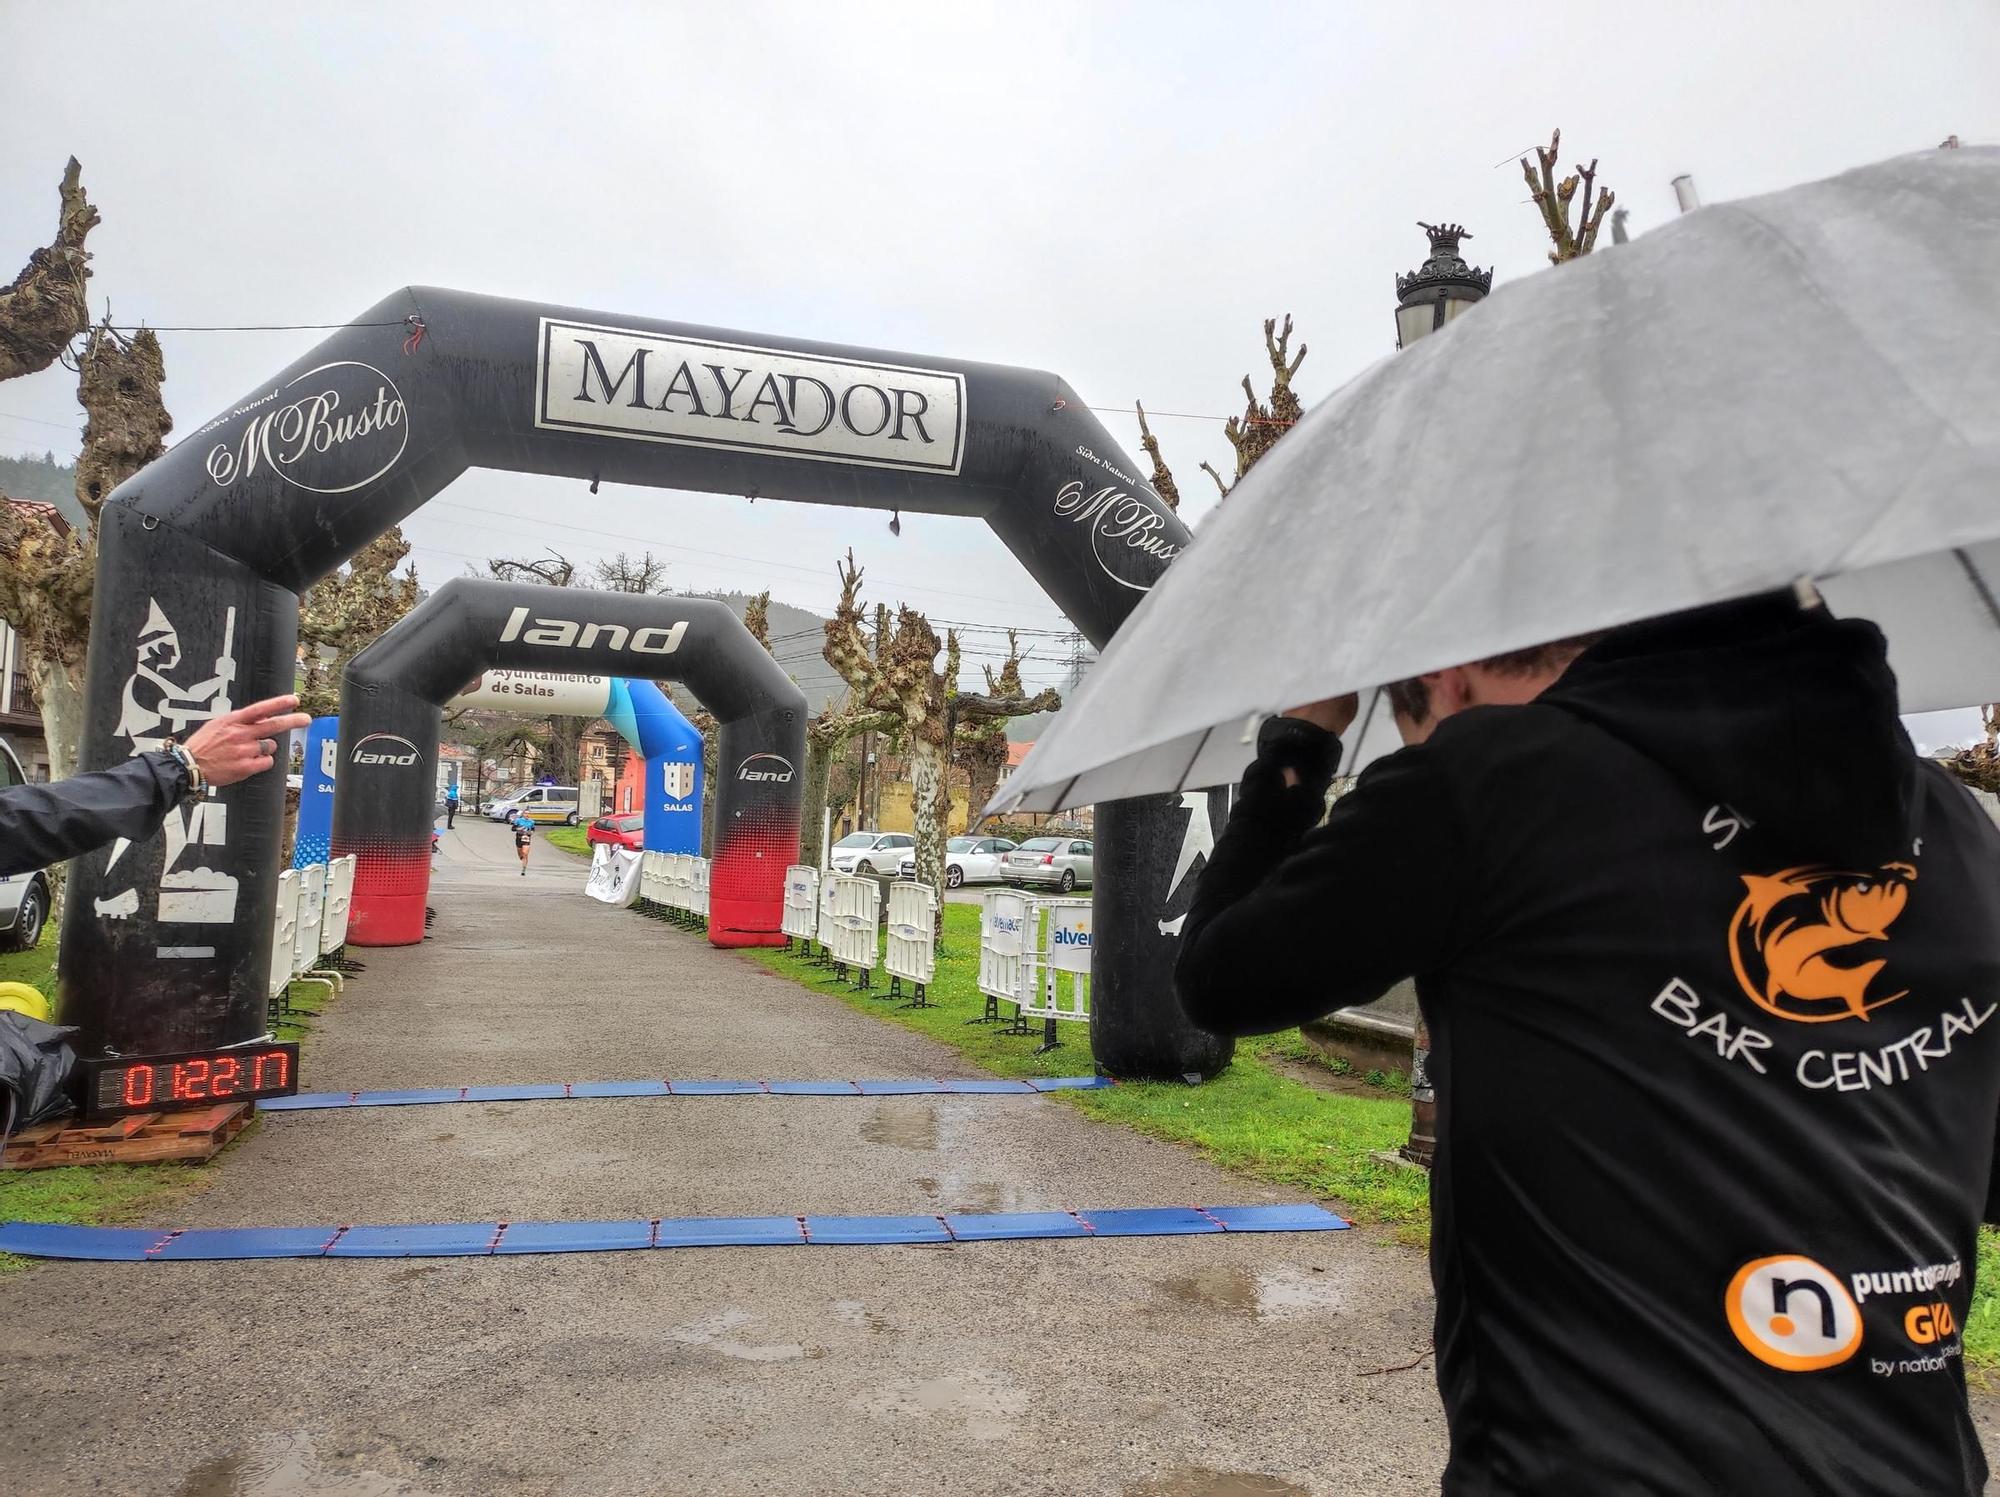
{"points": [[1710, 962]]}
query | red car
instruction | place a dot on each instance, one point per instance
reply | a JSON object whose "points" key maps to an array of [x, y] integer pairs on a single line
{"points": [[628, 832]]}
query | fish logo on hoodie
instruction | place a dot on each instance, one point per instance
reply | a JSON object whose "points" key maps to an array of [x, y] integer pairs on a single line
{"points": [[1793, 938]]}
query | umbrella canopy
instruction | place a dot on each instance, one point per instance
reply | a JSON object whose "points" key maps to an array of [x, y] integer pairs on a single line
{"points": [[1803, 386]]}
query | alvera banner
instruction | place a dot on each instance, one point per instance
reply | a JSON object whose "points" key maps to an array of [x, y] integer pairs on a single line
{"points": [[614, 875], [537, 692]]}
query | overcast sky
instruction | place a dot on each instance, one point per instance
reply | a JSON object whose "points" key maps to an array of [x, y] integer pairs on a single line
{"points": [[1119, 193]]}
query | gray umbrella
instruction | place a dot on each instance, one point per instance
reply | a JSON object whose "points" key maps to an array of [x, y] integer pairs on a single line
{"points": [[1803, 387]]}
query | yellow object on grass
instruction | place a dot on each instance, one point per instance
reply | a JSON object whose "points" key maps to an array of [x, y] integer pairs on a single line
{"points": [[22, 999]]}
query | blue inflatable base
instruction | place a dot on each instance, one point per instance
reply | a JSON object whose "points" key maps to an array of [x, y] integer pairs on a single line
{"points": [[566, 1091], [487, 1239]]}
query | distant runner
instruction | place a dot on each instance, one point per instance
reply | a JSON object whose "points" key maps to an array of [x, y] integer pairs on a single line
{"points": [[524, 838], [450, 804]]}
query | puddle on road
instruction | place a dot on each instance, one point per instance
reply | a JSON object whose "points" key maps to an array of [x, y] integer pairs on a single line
{"points": [[956, 1193], [1275, 1294], [285, 1466], [905, 1125], [1199, 1481], [987, 1404], [715, 1333], [853, 1312]]}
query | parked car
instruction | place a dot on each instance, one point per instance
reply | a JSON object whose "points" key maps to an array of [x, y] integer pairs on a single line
{"points": [[628, 832], [545, 805], [24, 897], [1063, 862], [967, 860], [870, 852]]}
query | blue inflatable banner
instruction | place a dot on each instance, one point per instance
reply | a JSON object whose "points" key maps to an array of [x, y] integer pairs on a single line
{"points": [[315, 835]]}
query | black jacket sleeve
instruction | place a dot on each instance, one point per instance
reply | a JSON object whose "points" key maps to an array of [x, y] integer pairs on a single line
{"points": [[1289, 922], [44, 824]]}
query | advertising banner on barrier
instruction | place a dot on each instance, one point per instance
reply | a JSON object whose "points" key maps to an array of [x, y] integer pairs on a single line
{"points": [[614, 875]]}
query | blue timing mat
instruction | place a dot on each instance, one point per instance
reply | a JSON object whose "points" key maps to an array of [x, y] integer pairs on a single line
{"points": [[485, 1239], [569, 1091]]}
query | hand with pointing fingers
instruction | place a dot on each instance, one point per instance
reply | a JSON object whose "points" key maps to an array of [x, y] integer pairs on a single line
{"points": [[239, 744]]}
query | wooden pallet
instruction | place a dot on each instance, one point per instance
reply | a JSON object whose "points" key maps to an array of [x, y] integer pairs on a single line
{"points": [[142, 1138]]}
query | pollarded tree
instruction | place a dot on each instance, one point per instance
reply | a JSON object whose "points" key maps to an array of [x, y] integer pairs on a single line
{"points": [[562, 737], [898, 678], [349, 609], [48, 575], [1257, 430], [981, 739], [1552, 199]]}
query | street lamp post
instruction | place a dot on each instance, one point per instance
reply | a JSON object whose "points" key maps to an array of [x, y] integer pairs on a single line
{"points": [[1426, 299], [1438, 290]]}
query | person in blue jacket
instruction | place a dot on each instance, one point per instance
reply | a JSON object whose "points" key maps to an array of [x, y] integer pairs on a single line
{"points": [[450, 804], [524, 837]]}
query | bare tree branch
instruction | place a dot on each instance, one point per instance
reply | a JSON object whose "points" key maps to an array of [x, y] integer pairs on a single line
{"points": [[46, 307]]}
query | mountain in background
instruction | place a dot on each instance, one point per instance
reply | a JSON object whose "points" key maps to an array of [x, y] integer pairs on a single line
{"points": [[45, 479]]}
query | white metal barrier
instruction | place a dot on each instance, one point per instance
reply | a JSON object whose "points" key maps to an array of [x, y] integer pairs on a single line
{"points": [[800, 921], [284, 935], [339, 901], [912, 940], [824, 924], [1005, 930], [306, 929], [699, 906], [857, 915], [1060, 958]]}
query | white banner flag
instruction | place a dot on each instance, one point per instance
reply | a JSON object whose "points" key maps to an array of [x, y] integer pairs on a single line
{"points": [[614, 875]]}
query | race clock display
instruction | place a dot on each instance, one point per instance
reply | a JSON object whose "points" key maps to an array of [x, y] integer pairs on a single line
{"points": [[157, 1083]]}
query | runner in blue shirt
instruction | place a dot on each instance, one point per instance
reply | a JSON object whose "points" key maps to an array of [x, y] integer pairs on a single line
{"points": [[524, 836]]}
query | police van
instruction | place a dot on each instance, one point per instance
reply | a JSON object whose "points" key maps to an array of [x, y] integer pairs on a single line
{"points": [[545, 805]]}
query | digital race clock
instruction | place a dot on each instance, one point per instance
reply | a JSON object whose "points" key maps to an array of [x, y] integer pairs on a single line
{"points": [[153, 1083]]}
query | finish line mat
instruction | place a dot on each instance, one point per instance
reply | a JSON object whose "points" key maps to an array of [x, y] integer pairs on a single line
{"points": [[484, 1239], [566, 1091]]}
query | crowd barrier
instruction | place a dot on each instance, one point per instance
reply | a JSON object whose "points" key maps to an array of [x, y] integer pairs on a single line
{"points": [[823, 923], [674, 886], [800, 921], [856, 905], [1059, 985], [912, 940], [1035, 955], [1003, 946], [309, 928]]}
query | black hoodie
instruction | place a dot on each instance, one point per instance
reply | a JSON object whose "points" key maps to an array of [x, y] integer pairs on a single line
{"points": [[1709, 960]]}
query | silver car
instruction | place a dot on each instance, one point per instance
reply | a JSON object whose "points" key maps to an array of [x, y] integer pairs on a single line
{"points": [[24, 897], [1057, 862], [967, 860]]}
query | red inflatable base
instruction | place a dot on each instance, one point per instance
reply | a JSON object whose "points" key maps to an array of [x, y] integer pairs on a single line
{"points": [[385, 920]]}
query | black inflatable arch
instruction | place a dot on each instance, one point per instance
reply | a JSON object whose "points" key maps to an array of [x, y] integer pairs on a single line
{"points": [[391, 702], [203, 554]]}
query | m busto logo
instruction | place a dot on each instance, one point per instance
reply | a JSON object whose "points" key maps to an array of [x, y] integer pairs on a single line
{"points": [[1793, 1314], [387, 749], [334, 429]]}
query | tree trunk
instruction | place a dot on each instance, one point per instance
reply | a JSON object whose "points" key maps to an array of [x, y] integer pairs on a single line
{"points": [[930, 808], [821, 752], [59, 693]]}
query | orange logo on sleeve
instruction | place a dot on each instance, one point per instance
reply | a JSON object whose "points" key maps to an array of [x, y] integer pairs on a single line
{"points": [[1791, 926]]}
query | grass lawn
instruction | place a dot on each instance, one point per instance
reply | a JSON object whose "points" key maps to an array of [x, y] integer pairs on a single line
{"points": [[1253, 1118], [569, 839], [103, 1195]]}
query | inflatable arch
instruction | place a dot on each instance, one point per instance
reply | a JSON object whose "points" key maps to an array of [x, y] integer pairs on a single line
{"points": [[667, 742], [392, 698], [202, 555]]}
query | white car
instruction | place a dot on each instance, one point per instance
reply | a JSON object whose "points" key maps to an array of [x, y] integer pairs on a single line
{"points": [[870, 852], [24, 897], [967, 860]]}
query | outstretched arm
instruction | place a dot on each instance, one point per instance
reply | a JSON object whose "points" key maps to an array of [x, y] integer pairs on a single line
{"points": [[43, 824], [1290, 922]]}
